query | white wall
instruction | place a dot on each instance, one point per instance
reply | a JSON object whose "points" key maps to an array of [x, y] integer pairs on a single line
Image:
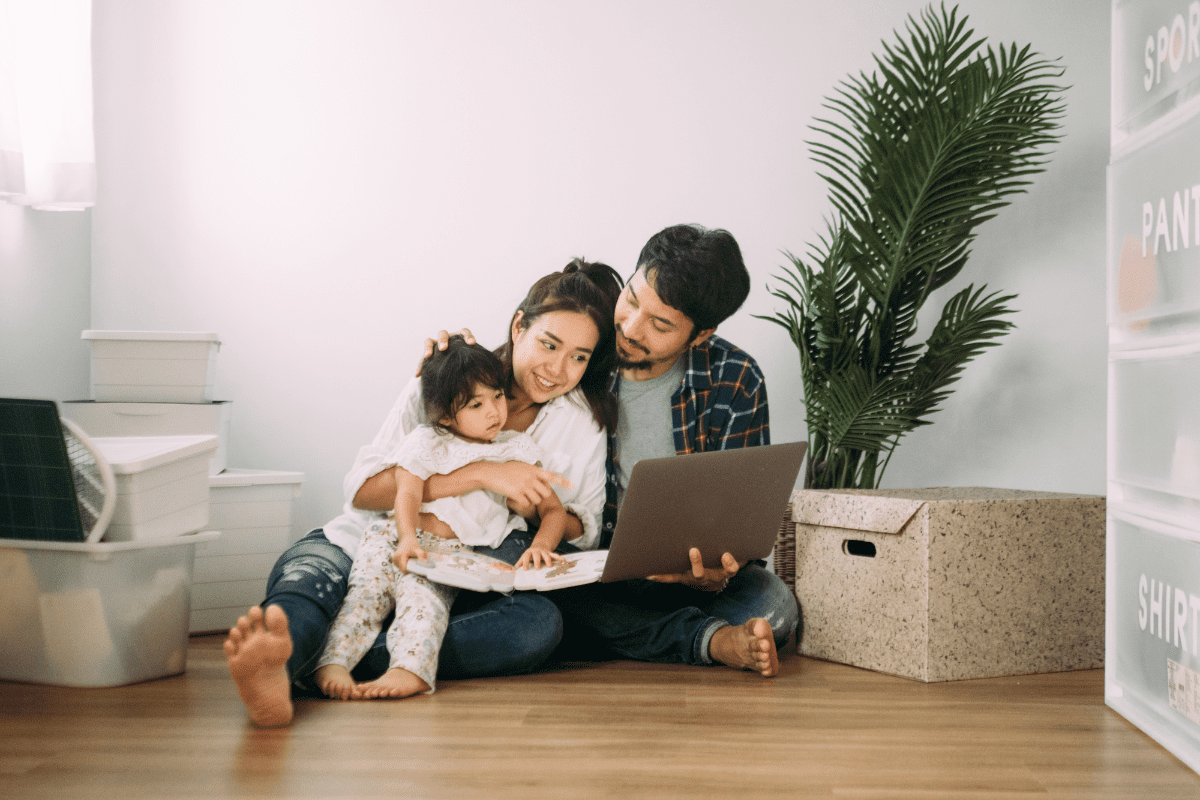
{"points": [[325, 183], [45, 301]]}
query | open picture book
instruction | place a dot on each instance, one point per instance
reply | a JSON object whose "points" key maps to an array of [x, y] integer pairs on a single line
{"points": [[477, 572]]}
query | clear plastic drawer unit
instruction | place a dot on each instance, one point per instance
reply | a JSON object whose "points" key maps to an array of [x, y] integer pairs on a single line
{"points": [[1154, 240], [1156, 60], [1154, 431], [1152, 653]]}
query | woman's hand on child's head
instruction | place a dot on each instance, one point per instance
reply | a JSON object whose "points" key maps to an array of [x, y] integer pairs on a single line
{"points": [[537, 557], [441, 342], [405, 551]]}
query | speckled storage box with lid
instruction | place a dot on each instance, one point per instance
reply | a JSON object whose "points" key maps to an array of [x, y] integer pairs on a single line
{"points": [[951, 583]]}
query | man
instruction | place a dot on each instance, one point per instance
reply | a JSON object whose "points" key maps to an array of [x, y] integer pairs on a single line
{"points": [[681, 390]]}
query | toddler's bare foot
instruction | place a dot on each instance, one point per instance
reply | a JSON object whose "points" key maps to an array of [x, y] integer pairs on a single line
{"points": [[396, 682], [335, 681], [748, 646], [258, 649]]}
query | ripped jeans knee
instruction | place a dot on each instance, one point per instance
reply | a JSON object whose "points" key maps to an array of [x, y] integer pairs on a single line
{"points": [[313, 567], [309, 583]]}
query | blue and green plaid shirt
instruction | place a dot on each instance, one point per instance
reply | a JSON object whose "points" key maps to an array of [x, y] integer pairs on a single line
{"points": [[720, 405]]}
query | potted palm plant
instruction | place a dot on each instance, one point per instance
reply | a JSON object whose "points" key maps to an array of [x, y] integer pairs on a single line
{"points": [[940, 583], [916, 155]]}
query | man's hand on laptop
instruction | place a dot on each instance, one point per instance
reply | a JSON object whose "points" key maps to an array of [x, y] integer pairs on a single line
{"points": [[700, 577]]}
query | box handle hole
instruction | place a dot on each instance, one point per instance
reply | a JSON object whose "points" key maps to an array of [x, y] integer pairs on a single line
{"points": [[857, 547]]}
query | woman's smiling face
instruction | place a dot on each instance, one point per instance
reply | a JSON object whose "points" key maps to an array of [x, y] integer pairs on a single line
{"points": [[550, 355]]}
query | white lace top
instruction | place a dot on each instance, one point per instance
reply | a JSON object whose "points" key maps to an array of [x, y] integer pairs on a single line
{"points": [[480, 518], [574, 447]]}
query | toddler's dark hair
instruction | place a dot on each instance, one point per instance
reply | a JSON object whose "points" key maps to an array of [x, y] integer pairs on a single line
{"points": [[449, 377]]}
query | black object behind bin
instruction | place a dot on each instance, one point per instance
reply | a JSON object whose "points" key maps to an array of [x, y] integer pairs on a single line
{"points": [[37, 491]]}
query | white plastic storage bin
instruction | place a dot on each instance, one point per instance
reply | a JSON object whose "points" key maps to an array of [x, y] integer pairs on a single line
{"points": [[153, 366], [162, 485], [1155, 60], [253, 510], [92, 615], [155, 419], [1154, 239], [1154, 431], [1152, 652]]}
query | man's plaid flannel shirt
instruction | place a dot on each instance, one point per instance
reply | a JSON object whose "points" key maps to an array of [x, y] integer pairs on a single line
{"points": [[720, 405]]}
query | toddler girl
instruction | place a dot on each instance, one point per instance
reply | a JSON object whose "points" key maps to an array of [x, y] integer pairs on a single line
{"points": [[462, 389]]}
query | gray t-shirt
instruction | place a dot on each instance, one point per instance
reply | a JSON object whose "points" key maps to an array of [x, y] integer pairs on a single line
{"points": [[644, 426]]}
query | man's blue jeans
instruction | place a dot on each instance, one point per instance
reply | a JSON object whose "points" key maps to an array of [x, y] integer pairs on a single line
{"points": [[489, 634], [670, 623]]}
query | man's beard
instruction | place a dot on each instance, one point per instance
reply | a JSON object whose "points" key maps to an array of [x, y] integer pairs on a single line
{"points": [[631, 363], [625, 363]]}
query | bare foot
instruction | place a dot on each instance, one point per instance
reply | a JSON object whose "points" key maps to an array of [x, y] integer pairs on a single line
{"points": [[258, 650], [335, 682], [748, 646], [396, 682]]}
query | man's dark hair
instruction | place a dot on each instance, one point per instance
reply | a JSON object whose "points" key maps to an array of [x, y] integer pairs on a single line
{"points": [[697, 271], [449, 377]]}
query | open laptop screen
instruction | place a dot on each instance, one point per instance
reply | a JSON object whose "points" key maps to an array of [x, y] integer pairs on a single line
{"points": [[724, 501]]}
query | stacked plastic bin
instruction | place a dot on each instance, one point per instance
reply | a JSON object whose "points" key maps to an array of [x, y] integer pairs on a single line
{"points": [[158, 383], [1152, 648]]}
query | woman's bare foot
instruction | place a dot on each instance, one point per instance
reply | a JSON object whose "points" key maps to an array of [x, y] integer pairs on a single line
{"points": [[335, 681], [258, 649], [748, 646], [396, 682]]}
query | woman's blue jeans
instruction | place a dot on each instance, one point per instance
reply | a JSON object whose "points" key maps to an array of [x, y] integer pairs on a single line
{"points": [[489, 634]]}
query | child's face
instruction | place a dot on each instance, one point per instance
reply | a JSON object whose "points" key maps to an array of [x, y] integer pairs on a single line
{"points": [[481, 419]]}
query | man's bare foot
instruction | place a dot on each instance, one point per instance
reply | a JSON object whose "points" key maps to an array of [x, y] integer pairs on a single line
{"points": [[748, 646], [396, 682], [258, 649], [335, 681]]}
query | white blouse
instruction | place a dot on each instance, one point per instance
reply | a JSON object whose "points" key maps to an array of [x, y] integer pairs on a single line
{"points": [[573, 444]]}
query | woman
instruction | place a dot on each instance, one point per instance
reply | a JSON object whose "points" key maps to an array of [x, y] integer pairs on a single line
{"points": [[557, 360]]}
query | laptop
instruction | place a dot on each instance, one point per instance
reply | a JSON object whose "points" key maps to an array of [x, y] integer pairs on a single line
{"points": [[726, 501]]}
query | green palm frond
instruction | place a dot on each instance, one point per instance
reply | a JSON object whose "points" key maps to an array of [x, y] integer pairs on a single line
{"points": [[916, 155]]}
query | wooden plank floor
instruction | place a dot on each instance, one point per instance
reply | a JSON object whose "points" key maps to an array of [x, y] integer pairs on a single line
{"points": [[617, 729]]}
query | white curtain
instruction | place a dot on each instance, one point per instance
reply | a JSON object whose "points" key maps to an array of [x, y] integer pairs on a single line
{"points": [[47, 154]]}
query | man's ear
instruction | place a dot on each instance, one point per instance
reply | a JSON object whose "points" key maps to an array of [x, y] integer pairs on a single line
{"points": [[702, 336]]}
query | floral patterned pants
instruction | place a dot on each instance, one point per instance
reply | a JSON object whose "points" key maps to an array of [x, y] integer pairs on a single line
{"points": [[376, 586]]}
